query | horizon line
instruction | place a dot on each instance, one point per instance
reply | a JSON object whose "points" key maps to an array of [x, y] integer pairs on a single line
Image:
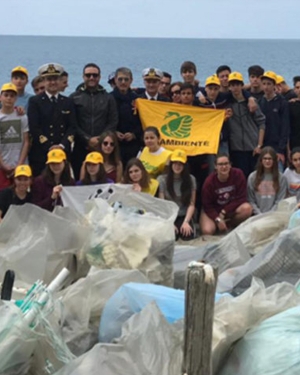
{"points": [[140, 37]]}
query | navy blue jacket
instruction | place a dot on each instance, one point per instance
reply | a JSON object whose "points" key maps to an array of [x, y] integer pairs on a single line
{"points": [[277, 130]]}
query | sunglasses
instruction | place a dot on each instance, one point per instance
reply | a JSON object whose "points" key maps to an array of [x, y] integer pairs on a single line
{"points": [[125, 79], [177, 92], [105, 143], [89, 75]]}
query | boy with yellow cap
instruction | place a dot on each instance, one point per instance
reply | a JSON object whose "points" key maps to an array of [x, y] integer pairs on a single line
{"points": [[19, 77], [276, 110], [14, 137]]}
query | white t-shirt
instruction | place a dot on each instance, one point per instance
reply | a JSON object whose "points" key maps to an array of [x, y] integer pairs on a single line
{"points": [[12, 129], [293, 179]]}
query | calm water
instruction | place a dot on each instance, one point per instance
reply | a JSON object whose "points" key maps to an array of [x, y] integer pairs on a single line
{"points": [[73, 53]]}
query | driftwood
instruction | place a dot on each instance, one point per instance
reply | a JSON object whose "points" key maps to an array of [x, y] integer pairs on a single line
{"points": [[201, 281]]}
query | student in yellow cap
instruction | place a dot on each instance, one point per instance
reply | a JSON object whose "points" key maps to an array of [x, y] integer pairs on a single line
{"points": [[136, 174], [18, 194], [47, 187], [93, 170], [180, 187], [154, 157], [19, 77], [14, 140]]}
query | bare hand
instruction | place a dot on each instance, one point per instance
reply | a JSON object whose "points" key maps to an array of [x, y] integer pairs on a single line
{"points": [[120, 136], [228, 113], [186, 229], [281, 157], [256, 151], [20, 111], [129, 136], [252, 105], [56, 192], [137, 187], [93, 142], [222, 226]]}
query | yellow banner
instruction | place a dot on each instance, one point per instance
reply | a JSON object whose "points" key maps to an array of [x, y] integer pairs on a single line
{"points": [[195, 130]]}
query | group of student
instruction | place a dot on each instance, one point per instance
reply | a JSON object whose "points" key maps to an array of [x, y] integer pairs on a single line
{"points": [[94, 137]]}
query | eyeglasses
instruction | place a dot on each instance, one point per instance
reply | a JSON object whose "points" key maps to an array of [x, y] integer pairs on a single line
{"points": [[222, 164], [176, 92], [165, 83], [125, 79], [89, 75], [267, 159], [105, 143]]}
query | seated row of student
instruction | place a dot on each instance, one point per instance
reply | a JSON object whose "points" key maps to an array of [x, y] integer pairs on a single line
{"points": [[18, 193], [179, 186]]}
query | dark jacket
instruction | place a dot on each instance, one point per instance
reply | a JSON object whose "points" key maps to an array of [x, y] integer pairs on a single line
{"points": [[294, 108], [96, 112], [277, 131], [127, 120], [160, 98], [244, 126], [50, 124]]}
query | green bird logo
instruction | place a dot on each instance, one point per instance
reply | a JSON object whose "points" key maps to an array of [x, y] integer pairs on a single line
{"points": [[178, 126]]}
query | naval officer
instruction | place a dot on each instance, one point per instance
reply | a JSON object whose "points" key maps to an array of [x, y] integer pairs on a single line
{"points": [[52, 119]]}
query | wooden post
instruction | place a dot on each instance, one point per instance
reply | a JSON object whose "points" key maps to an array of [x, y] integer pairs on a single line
{"points": [[200, 288]]}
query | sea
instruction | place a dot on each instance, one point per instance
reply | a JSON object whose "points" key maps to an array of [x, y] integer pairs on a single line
{"points": [[281, 56]]}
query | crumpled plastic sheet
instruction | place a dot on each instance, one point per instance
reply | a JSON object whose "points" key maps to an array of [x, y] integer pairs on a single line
{"points": [[125, 239], [226, 253], [234, 316], [37, 244], [278, 261], [148, 346], [84, 301], [270, 348]]}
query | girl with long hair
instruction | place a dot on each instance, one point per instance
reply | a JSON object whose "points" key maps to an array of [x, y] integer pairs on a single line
{"points": [[109, 148], [136, 174], [154, 157], [47, 187], [180, 187], [266, 186], [19, 193], [93, 170], [292, 174]]}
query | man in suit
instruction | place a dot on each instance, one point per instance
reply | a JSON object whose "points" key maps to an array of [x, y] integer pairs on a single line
{"points": [[52, 119], [152, 78]]}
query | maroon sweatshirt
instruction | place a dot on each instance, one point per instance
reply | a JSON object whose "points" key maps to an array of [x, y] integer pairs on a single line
{"points": [[228, 195]]}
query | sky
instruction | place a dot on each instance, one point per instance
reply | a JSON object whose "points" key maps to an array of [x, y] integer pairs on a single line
{"points": [[266, 19]]}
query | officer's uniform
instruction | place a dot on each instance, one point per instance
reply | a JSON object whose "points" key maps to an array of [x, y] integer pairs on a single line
{"points": [[153, 73], [52, 121]]}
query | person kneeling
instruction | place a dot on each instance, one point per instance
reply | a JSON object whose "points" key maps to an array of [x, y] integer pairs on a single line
{"points": [[180, 187], [224, 198]]}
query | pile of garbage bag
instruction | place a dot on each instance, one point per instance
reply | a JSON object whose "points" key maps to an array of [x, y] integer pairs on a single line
{"points": [[119, 249]]}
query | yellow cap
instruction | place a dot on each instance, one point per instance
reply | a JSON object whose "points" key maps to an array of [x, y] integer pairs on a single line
{"points": [[56, 156], [23, 170], [279, 79], [9, 87], [212, 80], [270, 75], [236, 76], [179, 155], [94, 157], [20, 69]]}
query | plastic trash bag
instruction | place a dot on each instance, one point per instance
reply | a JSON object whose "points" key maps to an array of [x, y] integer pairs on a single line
{"points": [[37, 244], [148, 346], [126, 239], [131, 298], [294, 220], [84, 301], [278, 261], [270, 348]]}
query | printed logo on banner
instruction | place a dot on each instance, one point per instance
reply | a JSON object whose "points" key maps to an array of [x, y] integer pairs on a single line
{"points": [[178, 127]]}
